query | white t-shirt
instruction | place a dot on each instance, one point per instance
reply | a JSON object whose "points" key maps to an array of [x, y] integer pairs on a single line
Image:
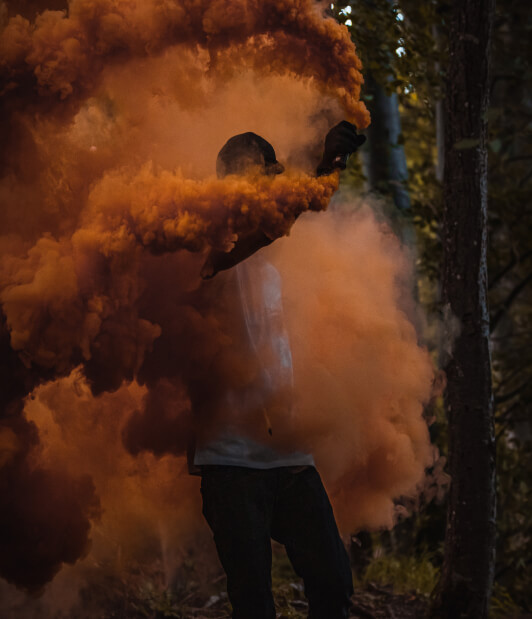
{"points": [[253, 289]]}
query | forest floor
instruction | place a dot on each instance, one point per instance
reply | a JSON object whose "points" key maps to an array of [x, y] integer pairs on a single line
{"points": [[194, 589], [371, 602], [380, 602], [202, 595]]}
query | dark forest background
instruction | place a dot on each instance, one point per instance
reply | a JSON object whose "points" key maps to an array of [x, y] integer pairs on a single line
{"points": [[405, 50]]}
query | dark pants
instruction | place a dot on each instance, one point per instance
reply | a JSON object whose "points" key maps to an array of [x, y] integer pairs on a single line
{"points": [[247, 507]]}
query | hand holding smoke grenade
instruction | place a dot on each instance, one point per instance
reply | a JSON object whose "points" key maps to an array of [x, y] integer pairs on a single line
{"points": [[340, 142], [340, 161]]}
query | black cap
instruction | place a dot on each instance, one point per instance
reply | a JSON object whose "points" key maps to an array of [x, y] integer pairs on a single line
{"points": [[244, 151]]}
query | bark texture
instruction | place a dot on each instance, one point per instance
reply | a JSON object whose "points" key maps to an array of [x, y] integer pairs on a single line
{"points": [[467, 575]]}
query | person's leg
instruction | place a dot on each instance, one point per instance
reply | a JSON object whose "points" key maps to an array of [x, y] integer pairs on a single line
{"points": [[237, 504], [303, 521]]}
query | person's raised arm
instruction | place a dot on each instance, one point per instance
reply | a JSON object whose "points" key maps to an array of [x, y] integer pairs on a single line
{"points": [[244, 247], [341, 141]]}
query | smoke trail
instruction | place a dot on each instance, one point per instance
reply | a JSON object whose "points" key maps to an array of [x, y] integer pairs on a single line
{"points": [[112, 115]]}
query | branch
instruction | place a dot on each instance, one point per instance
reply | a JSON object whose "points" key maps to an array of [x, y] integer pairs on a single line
{"points": [[524, 333], [514, 260], [504, 416], [508, 567], [510, 376], [503, 419], [524, 180], [509, 396], [519, 158], [509, 300], [504, 270]]}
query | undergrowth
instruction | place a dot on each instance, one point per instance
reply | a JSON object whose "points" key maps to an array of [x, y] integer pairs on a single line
{"points": [[405, 574]]}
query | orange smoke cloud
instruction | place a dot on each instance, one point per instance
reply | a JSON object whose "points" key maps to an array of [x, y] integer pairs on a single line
{"points": [[361, 378], [112, 115], [64, 53]]}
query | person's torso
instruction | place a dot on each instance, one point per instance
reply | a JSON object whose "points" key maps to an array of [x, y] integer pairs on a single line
{"points": [[259, 348]]}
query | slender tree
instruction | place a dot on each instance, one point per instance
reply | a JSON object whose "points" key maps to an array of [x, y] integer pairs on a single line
{"points": [[467, 575], [384, 159]]}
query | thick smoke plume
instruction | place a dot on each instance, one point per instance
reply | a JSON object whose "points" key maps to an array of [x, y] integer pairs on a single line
{"points": [[63, 54], [112, 116], [362, 377]]}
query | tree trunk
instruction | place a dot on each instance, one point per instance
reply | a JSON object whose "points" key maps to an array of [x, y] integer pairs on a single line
{"points": [[384, 157], [465, 586]]}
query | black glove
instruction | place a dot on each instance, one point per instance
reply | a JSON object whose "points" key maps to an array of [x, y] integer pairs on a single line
{"points": [[341, 141]]}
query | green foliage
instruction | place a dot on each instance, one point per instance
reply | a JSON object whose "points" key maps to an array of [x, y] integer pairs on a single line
{"points": [[406, 54], [425, 193], [502, 606], [405, 573]]}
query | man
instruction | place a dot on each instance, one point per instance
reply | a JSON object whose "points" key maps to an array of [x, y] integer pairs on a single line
{"points": [[252, 491]]}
